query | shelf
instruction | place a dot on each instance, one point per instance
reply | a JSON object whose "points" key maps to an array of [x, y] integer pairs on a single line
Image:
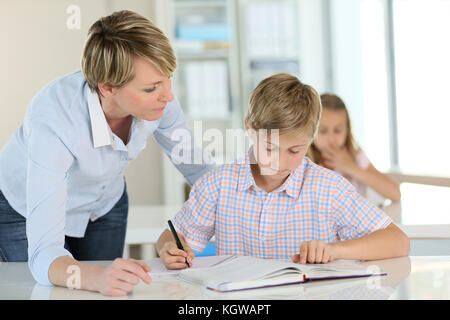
{"points": [[211, 120], [198, 3], [195, 46], [203, 56]]}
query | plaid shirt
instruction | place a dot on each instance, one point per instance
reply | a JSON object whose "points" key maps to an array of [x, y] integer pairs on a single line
{"points": [[314, 203]]}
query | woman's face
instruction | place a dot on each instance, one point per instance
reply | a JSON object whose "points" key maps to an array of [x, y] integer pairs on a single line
{"points": [[333, 129], [147, 94]]}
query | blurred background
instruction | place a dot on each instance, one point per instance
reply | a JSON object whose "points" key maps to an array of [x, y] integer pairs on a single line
{"points": [[387, 59]]}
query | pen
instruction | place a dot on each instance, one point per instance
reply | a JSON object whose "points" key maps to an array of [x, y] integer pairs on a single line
{"points": [[177, 240]]}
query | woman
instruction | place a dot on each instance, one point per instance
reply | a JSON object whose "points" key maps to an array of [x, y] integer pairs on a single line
{"points": [[62, 192]]}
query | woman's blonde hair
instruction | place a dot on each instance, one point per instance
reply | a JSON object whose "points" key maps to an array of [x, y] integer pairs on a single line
{"points": [[333, 102], [113, 41], [283, 102]]}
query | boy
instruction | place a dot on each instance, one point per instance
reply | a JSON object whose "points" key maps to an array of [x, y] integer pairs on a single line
{"points": [[288, 208]]}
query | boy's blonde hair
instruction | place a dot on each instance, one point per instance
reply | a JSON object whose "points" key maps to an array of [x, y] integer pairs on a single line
{"points": [[113, 41], [283, 102], [333, 102]]}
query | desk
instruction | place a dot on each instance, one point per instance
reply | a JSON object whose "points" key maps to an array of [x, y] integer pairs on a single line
{"points": [[416, 277]]}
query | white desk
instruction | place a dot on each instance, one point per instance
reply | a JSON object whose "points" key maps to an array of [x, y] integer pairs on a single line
{"points": [[408, 278]]}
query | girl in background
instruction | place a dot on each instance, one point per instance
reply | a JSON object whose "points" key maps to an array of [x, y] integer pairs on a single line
{"points": [[334, 148]]}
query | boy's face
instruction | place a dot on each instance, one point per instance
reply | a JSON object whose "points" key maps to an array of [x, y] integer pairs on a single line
{"points": [[146, 95], [332, 130], [279, 155]]}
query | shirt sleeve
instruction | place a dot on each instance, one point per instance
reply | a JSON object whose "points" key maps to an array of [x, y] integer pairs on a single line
{"points": [[356, 216], [197, 218], [362, 160], [178, 143], [48, 163]]}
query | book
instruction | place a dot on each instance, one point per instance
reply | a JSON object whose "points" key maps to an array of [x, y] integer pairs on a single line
{"points": [[244, 273], [340, 289]]}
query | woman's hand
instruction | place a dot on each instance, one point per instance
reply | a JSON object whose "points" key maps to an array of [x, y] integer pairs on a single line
{"points": [[174, 258], [121, 277], [316, 251]]}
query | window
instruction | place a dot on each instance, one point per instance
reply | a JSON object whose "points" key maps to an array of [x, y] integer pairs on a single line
{"points": [[391, 66], [375, 105], [422, 69]]}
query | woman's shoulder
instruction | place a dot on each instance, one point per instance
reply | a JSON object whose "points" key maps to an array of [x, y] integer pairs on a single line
{"points": [[58, 97], [60, 107]]}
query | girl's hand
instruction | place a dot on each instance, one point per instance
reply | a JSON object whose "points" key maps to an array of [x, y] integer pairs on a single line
{"points": [[174, 258], [316, 251], [339, 158]]}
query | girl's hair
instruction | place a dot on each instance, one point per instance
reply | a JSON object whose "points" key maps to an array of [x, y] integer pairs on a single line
{"points": [[333, 102]]}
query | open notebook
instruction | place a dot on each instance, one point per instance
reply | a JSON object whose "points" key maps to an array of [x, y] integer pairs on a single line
{"points": [[244, 272]]}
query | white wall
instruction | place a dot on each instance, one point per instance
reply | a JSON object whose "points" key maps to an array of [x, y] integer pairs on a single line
{"points": [[37, 47]]}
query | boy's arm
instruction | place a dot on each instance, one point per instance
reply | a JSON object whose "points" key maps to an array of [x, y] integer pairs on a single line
{"points": [[390, 242], [194, 223], [366, 232]]}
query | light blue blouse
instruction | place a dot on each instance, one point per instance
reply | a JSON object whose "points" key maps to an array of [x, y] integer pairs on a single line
{"points": [[64, 166]]}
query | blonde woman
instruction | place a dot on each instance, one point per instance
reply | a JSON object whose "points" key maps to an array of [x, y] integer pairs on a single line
{"points": [[63, 196], [335, 148]]}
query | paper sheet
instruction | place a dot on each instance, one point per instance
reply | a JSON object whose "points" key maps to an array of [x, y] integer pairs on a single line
{"points": [[160, 270]]}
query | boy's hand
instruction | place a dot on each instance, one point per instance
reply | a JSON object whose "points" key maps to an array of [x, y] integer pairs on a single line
{"points": [[316, 251], [174, 258]]}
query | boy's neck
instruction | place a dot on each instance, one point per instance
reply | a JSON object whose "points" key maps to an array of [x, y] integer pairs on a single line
{"points": [[267, 182]]}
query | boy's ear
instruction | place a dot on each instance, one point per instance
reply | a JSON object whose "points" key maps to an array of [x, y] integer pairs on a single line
{"points": [[250, 132]]}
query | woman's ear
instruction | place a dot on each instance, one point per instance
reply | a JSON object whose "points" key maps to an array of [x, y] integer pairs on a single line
{"points": [[106, 89]]}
